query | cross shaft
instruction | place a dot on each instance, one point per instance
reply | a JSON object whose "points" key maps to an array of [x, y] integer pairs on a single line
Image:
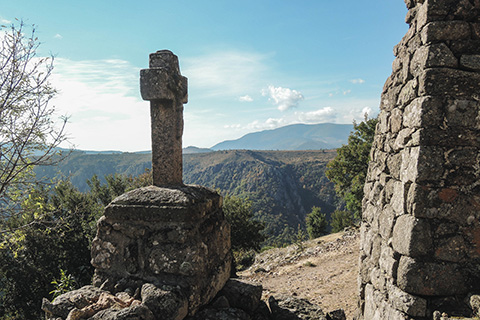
{"points": [[166, 89]]}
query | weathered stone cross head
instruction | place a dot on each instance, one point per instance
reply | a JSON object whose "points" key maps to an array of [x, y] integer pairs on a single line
{"points": [[166, 89]]}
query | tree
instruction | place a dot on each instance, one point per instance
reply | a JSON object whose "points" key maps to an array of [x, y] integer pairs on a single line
{"points": [[316, 223], [29, 135], [246, 232], [349, 168], [340, 220], [49, 242]]}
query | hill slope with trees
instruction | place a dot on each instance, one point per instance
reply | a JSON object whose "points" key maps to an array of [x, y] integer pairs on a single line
{"points": [[283, 186]]}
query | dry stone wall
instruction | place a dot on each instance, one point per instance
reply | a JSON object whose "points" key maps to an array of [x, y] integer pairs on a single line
{"points": [[420, 233]]}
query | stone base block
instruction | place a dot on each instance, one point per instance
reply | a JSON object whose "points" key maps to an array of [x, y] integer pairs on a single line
{"points": [[165, 236]]}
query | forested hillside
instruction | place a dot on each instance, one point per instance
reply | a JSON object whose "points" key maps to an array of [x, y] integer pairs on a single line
{"points": [[282, 185]]}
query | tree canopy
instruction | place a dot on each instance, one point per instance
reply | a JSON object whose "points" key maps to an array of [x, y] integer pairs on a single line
{"points": [[246, 232], [349, 168]]}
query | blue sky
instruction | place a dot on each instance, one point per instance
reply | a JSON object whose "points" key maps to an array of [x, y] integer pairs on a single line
{"points": [[252, 65]]}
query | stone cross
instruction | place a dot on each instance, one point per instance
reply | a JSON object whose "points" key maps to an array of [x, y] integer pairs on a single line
{"points": [[166, 89]]}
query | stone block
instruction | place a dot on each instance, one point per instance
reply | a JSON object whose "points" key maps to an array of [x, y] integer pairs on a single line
{"points": [[408, 170], [168, 236], [371, 304], [445, 30], [398, 198], [387, 262], [449, 137], [470, 62], [403, 138], [385, 222], [139, 312], [431, 56], [377, 278], [445, 82], [439, 203], [424, 112], [154, 84], [463, 113], [389, 99], [394, 165], [412, 305], [412, 236], [451, 249], [422, 164], [292, 308], [429, 278], [170, 304], [408, 93], [395, 120], [163, 80], [242, 295], [460, 47], [164, 59]]}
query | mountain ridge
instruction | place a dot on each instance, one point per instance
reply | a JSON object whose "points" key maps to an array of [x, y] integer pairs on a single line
{"points": [[292, 137]]}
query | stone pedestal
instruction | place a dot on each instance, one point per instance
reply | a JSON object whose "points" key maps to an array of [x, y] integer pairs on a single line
{"points": [[169, 237], [420, 234]]}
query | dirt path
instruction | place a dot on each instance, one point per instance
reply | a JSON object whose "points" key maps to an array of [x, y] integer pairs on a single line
{"points": [[324, 271]]}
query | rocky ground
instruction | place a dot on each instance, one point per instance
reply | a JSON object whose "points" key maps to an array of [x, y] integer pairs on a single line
{"points": [[323, 270]]}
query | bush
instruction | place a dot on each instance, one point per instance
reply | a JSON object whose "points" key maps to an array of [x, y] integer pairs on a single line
{"points": [[316, 223], [341, 220], [246, 232]]}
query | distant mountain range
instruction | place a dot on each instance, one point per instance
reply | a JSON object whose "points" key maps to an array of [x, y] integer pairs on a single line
{"points": [[292, 137]]}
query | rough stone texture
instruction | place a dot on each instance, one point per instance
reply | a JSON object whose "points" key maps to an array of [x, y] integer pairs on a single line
{"points": [[166, 90], [171, 304], [242, 295], [420, 233], [165, 236], [290, 308]]}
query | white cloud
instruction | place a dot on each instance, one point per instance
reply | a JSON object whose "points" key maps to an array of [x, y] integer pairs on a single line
{"points": [[270, 123], [102, 99], [345, 92], [367, 111], [317, 116], [326, 114], [357, 81], [225, 73], [5, 21], [58, 36], [245, 98], [283, 98], [233, 126]]}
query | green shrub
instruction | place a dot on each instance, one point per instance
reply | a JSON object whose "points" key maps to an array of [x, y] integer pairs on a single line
{"points": [[316, 223], [341, 220]]}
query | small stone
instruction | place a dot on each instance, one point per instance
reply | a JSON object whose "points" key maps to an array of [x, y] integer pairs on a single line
{"points": [[470, 219], [474, 303], [336, 315]]}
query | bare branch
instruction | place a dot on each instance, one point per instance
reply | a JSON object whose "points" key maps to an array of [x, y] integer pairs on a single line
{"points": [[28, 135]]}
